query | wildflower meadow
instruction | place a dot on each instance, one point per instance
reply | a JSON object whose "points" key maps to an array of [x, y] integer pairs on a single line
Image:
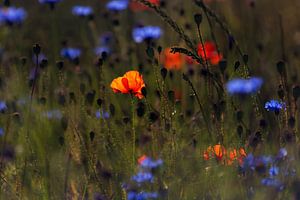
{"points": [[149, 99]]}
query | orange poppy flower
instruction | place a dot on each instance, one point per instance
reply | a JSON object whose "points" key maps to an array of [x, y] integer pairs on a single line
{"points": [[132, 82], [209, 53], [219, 151], [136, 6], [172, 60]]}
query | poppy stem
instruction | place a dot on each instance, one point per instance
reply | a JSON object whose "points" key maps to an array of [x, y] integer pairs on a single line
{"points": [[133, 130]]}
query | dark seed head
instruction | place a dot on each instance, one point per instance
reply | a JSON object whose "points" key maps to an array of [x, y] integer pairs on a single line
{"points": [[36, 49], [281, 67], [153, 116], [163, 72], [198, 18]]}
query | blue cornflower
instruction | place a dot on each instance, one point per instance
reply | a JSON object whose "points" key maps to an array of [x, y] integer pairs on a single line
{"points": [[273, 171], [82, 11], [142, 177], [141, 195], [274, 105], [272, 182], [1, 131], [12, 15], [99, 50], [117, 5], [244, 86], [3, 106], [49, 1], [282, 153], [102, 114], [53, 114], [140, 34], [70, 53], [150, 163]]}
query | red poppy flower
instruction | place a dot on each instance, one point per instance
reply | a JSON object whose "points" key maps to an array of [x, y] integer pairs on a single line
{"points": [[172, 60], [210, 54], [136, 6], [132, 82]]}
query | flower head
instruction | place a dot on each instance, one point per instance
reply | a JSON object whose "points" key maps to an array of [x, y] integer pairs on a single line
{"points": [[172, 60], [131, 83], [70, 53], [82, 11], [101, 49], [274, 105], [117, 5], [3, 106], [12, 15], [142, 177], [140, 34], [209, 53], [244, 86]]}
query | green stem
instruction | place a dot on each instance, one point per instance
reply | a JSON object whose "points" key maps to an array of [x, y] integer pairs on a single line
{"points": [[133, 130]]}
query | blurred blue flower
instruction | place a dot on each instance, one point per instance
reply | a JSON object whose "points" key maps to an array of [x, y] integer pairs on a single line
{"points": [[150, 163], [99, 50], [117, 5], [49, 1], [141, 195], [12, 15], [142, 177], [3, 106], [1, 131], [273, 171], [102, 114], [70, 53], [274, 105], [272, 182], [82, 11], [140, 34], [53, 114], [282, 153], [244, 86]]}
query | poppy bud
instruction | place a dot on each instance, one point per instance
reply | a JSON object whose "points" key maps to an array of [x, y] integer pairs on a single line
{"points": [[23, 60], [144, 92], [36, 49], [90, 97], [296, 92], [44, 63], [150, 52], [171, 95], [198, 19], [153, 116], [223, 65], [263, 123], [61, 99], [60, 65], [163, 72], [280, 67], [140, 109], [291, 122], [99, 102], [239, 130], [159, 49], [112, 109], [92, 136], [239, 115], [61, 140], [245, 58]]}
